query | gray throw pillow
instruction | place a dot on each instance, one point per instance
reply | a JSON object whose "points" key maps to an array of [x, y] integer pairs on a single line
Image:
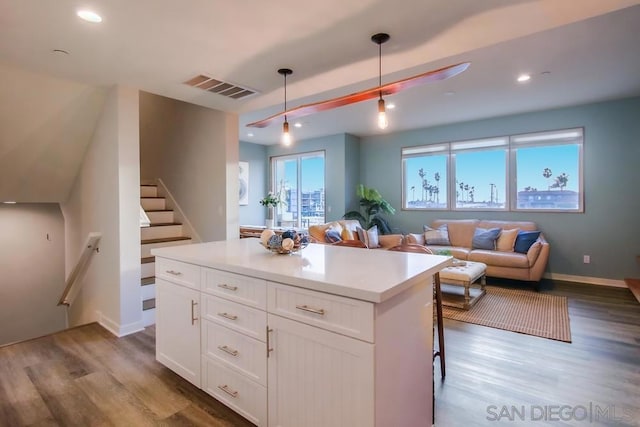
{"points": [[485, 238]]}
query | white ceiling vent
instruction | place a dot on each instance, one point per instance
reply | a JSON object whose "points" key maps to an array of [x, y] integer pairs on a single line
{"points": [[210, 84]]}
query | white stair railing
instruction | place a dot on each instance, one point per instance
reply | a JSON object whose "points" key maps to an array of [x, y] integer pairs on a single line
{"points": [[144, 218], [73, 281]]}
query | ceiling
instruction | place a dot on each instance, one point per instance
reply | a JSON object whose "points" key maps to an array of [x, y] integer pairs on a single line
{"points": [[587, 50]]}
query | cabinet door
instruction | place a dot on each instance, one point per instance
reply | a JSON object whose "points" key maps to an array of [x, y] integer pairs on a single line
{"points": [[318, 378], [178, 329]]}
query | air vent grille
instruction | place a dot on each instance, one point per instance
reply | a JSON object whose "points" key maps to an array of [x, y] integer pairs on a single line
{"points": [[230, 90]]}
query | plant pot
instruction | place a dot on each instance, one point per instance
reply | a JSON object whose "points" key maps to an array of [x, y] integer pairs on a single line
{"points": [[269, 223]]}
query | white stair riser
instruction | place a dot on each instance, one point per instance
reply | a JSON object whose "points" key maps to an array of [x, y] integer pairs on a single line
{"points": [[146, 249], [149, 317], [161, 217], [146, 191], [152, 204], [148, 292], [148, 269], [161, 232]]}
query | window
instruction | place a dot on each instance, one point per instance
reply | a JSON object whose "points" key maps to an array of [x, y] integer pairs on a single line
{"points": [[548, 171], [425, 177], [531, 172], [299, 181], [480, 173]]}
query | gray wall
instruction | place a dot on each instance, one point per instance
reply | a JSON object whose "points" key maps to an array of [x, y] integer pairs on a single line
{"points": [[608, 230], [194, 150], [32, 270], [256, 155]]}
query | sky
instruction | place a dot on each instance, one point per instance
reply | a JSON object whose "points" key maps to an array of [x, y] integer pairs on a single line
{"points": [[312, 172]]}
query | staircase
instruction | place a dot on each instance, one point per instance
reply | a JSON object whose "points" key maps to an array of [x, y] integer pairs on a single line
{"points": [[163, 231]]}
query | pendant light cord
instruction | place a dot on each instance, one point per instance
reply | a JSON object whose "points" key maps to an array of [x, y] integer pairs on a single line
{"points": [[380, 69], [285, 97]]}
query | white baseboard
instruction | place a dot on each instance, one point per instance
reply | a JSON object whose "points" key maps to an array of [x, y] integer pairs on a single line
{"points": [[585, 279], [117, 329]]}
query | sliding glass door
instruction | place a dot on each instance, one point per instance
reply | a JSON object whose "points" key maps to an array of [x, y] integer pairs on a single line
{"points": [[298, 180]]}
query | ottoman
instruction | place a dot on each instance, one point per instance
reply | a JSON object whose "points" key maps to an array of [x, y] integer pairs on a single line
{"points": [[463, 273]]}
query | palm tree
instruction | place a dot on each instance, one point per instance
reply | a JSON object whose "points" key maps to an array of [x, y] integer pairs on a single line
{"points": [[547, 174], [562, 180], [437, 178], [413, 193], [466, 188], [473, 189], [421, 175], [461, 185]]}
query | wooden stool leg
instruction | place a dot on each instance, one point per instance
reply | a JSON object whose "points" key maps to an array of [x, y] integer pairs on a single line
{"points": [[440, 323]]}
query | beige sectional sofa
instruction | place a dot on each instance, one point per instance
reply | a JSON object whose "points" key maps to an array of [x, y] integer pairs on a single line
{"points": [[503, 263]]}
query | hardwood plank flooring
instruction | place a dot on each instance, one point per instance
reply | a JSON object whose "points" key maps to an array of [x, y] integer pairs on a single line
{"points": [[87, 377]]}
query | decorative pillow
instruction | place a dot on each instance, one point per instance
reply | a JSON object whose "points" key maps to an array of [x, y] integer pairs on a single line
{"points": [[347, 234], [332, 236], [369, 237], [439, 236], [507, 240], [485, 239], [524, 241]]}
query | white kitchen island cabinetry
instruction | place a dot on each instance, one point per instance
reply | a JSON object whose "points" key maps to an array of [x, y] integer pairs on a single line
{"points": [[333, 336]]}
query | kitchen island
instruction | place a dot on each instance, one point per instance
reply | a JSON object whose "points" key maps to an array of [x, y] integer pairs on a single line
{"points": [[329, 336]]}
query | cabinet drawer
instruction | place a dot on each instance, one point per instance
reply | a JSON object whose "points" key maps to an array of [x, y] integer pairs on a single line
{"points": [[244, 396], [346, 316], [235, 287], [244, 354], [178, 272], [246, 320]]}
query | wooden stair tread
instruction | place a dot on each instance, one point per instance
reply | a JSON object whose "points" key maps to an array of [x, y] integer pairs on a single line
{"points": [[148, 281], [634, 287], [147, 260], [148, 304], [158, 210], [151, 197], [164, 224], [164, 240], [148, 185]]}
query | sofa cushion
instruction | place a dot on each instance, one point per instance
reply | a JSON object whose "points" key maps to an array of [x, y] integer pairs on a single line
{"points": [[524, 241], [390, 240], [507, 240], [485, 239], [332, 236], [414, 239], [460, 230], [348, 234], [369, 237], [439, 236], [501, 259]]}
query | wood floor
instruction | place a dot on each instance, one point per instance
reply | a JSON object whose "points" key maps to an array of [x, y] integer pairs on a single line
{"points": [[87, 377]]}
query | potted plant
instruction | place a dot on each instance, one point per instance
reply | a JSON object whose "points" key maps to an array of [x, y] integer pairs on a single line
{"points": [[271, 200], [372, 206]]}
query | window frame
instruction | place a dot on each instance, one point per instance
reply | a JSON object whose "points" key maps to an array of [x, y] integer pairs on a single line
{"points": [[299, 157], [511, 144]]}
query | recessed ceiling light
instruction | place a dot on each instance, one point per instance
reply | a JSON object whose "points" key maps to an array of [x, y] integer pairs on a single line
{"points": [[250, 135], [298, 124], [9, 202], [89, 16], [449, 93], [523, 78], [391, 106]]}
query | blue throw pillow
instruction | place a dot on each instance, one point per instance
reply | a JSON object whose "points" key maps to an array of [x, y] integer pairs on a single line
{"points": [[332, 236], [524, 241], [485, 239]]}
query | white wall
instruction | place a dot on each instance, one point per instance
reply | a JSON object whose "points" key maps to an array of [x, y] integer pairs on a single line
{"points": [[32, 274], [194, 150], [105, 199]]}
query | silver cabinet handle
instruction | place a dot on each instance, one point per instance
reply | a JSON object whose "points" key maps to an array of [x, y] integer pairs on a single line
{"points": [[227, 287], [193, 312], [319, 311], [269, 349], [228, 350], [227, 390], [173, 272], [228, 316]]}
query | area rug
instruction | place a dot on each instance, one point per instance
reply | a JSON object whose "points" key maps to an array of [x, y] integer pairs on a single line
{"points": [[516, 310]]}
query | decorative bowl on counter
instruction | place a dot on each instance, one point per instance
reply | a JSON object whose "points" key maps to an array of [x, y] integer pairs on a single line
{"points": [[288, 242]]}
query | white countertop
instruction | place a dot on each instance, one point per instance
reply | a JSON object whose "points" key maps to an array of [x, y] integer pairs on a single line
{"points": [[369, 275]]}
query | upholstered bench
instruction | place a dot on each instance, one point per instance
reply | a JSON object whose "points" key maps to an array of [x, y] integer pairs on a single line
{"points": [[464, 273]]}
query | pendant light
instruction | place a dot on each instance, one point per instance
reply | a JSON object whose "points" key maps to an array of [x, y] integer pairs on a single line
{"points": [[286, 136], [382, 113]]}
